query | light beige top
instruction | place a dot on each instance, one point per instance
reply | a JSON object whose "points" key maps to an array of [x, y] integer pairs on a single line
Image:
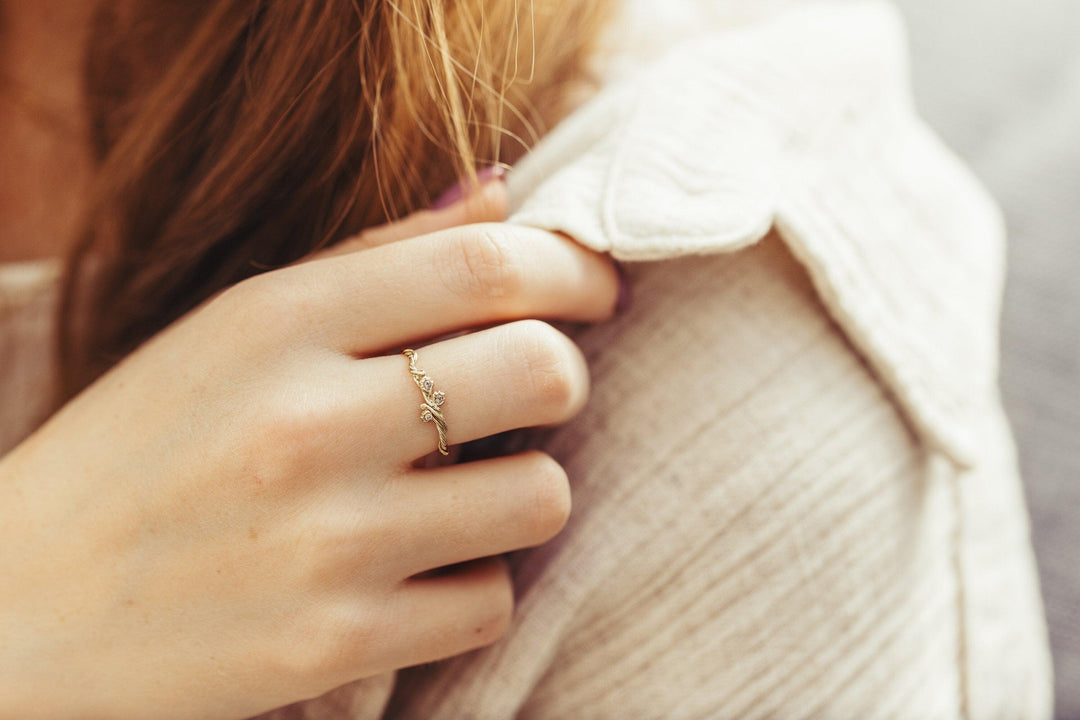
{"points": [[28, 297], [795, 490]]}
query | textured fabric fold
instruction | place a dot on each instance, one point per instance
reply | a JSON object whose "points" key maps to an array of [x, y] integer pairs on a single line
{"points": [[804, 123]]}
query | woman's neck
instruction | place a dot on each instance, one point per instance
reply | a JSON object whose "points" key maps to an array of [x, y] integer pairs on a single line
{"points": [[43, 147]]}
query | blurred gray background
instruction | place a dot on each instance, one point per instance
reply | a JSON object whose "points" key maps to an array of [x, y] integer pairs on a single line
{"points": [[1000, 81]]}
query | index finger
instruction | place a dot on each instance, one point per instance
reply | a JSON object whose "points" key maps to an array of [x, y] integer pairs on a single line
{"points": [[379, 299]]}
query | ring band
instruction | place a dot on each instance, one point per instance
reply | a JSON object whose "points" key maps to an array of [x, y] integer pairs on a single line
{"points": [[430, 409]]}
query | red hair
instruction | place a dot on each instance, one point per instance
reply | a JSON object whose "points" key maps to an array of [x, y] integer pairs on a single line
{"points": [[236, 136]]}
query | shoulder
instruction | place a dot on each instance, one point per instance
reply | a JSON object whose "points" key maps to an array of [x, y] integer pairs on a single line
{"points": [[726, 365], [799, 121], [740, 476], [735, 467]]}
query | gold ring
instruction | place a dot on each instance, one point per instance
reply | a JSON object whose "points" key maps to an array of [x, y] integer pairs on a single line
{"points": [[430, 409]]}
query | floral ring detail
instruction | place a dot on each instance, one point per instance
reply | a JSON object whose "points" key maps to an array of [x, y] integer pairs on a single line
{"points": [[431, 408]]}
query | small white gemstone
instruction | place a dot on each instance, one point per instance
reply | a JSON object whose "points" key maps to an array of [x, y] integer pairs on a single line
{"points": [[438, 398], [426, 416], [427, 384]]}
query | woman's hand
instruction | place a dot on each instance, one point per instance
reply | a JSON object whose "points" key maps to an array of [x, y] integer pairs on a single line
{"points": [[230, 520]]}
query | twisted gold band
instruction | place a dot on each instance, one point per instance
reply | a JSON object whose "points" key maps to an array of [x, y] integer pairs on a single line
{"points": [[433, 399]]}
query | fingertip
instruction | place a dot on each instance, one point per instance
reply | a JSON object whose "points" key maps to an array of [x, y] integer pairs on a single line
{"points": [[616, 291], [490, 202], [609, 289]]}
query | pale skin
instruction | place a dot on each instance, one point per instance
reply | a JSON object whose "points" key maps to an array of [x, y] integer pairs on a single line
{"points": [[233, 518]]}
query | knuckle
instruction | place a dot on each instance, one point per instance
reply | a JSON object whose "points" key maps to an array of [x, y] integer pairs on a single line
{"points": [[332, 631], [336, 544], [310, 660], [552, 367], [331, 647], [299, 656], [484, 264], [284, 432], [550, 503], [269, 300], [350, 640], [284, 437]]}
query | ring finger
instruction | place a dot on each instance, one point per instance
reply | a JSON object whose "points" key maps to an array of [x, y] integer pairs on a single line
{"points": [[520, 374]]}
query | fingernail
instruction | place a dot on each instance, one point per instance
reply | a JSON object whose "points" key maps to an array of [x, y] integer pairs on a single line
{"points": [[456, 192], [622, 301], [491, 172]]}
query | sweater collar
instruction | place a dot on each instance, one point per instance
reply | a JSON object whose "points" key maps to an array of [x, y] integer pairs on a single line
{"points": [[802, 122]]}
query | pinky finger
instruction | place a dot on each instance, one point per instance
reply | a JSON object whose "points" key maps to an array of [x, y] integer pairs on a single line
{"points": [[438, 616]]}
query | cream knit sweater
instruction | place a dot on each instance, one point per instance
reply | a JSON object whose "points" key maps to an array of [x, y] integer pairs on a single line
{"points": [[795, 491]]}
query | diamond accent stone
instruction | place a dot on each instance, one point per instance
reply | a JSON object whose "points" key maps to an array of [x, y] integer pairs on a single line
{"points": [[426, 416], [438, 397], [426, 384]]}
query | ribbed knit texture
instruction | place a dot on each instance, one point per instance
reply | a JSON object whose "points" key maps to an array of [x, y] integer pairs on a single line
{"points": [[760, 535]]}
